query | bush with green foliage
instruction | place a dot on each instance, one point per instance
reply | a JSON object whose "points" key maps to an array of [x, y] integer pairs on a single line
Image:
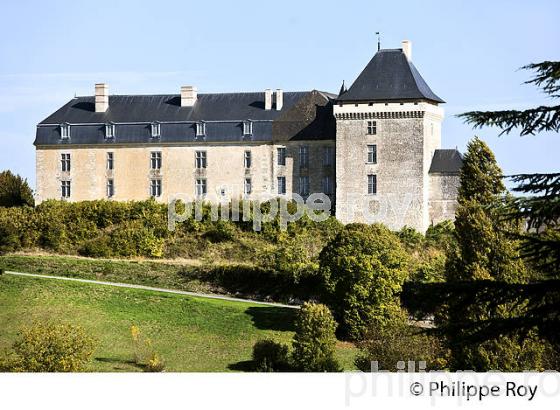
{"points": [[397, 342], [14, 191], [315, 341], [363, 269], [50, 347], [271, 356]]}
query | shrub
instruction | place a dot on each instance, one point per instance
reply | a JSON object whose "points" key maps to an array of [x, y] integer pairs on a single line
{"points": [[410, 238], [221, 231], [14, 190], [363, 270], [51, 347], [271, 356], [144, 353], [399, 341], [314, 342]]}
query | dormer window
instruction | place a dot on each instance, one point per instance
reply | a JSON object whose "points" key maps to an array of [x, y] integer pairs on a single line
{"points": [[64, 131], [200, 129], [109, 131], [248, 128], [156, 132]]}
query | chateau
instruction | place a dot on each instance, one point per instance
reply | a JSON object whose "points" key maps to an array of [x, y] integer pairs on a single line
{"points": [[374, 149]]}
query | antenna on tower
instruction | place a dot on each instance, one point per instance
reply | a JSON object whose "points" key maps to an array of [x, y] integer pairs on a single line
{"points": [[378, 40]]}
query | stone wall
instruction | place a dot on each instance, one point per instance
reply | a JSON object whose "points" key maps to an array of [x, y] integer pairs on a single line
{"points": [[407, 135], [443, 197], [225, 172]]}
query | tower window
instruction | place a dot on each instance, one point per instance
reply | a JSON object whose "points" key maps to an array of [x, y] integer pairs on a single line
{"points": [[65, 189], [65, 162], [281, 155], [200, 159], [328, 155], [281, 185], [64, 131], [155, 160], [327, 185], [110, 161], [156, 131], [247, 159], [200, 187], [200, 129], [155, 188], [372, 154], [248, 188], [247, 128], [372, 127], [109, 131], [304, 186], [372, 184], [304, 156], [110, 188]]}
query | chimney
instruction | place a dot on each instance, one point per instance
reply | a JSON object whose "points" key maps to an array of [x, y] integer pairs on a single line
{"points": [[189, 95], [101, 97], [268, 99], [279, 99], [407, 49]]}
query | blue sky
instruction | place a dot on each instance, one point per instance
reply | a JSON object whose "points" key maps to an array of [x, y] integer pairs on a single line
{"points": [[469, 52]]}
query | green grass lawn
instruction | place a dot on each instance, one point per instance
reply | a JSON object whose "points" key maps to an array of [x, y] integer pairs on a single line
{"points": [[192, 334]]}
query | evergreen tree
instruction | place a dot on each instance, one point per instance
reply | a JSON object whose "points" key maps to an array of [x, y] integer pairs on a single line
{"points": [[484, 251], [537, 302], [14, 190]]}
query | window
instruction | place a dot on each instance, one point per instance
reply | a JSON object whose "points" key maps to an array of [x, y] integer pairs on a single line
{"points": [[372, 184], [281, 155], [247, 161], [372, 154], [156, 132], [110, 161], [110, 188], [109, 131], [304, 156], [65, 162], [155, 160], [155, 188], [65, 189], [200, 187], [200, 159], [200, 129], [327, 185], [372, 127], [247, 128], [281, 185], [328, 156], [64, 131], [248, 187], [304, 186]]}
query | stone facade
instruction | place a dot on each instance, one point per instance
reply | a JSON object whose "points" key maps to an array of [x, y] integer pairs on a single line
{"points": [[406, 137], [225, 173]]}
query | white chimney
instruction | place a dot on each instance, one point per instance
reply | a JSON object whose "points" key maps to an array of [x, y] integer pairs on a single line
{"points": [[279, 99], [268, 99], [101, 97], [407, 49], [189, 94]]}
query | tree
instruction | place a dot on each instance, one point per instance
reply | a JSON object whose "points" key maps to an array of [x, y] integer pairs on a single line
{"points": [[484, 248], [315, 341], [14, 190], [540, 244], [51, 347], [363, 269]]}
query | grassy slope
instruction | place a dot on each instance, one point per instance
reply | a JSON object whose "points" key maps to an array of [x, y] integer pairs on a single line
{"points": [[192, 334], [142, 272]]}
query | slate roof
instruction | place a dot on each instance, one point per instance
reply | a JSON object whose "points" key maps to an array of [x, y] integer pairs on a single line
{"points": [[224, 115], [446, 161], [389, 76]]}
